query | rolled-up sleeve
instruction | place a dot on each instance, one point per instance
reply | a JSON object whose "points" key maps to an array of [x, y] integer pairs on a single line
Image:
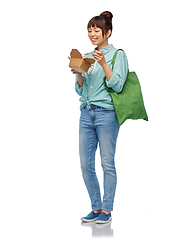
{"points": [[78, 89], [120, 71]]}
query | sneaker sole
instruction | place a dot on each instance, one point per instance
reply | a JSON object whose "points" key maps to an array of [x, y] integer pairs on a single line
{"points": [[102, 222], [88, 220]]}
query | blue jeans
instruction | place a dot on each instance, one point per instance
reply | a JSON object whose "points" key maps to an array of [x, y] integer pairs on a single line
{"points": [[98, 125]]}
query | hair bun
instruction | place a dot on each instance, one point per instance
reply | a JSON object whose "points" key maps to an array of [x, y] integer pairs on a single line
{"points": [[107, 14]]}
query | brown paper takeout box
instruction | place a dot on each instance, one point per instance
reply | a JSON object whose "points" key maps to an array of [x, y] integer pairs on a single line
{"points": [[78, 64]]}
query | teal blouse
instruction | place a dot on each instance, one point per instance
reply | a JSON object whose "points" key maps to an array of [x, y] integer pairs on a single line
{"points": [[93, 90]]}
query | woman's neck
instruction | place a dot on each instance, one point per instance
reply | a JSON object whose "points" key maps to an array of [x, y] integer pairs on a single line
{"points": [[105, 44]]}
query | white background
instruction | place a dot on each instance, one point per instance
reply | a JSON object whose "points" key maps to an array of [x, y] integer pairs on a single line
{"points": [[42, 192]]}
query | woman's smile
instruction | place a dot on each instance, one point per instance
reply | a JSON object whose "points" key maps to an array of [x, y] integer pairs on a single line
{"points": [[93, 39]]}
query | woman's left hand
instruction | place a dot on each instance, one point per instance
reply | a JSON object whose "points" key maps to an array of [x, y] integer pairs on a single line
{"points": [[99, 57]]}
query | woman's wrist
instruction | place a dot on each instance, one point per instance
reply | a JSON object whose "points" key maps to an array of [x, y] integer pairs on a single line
{"points": [[80, 79], [107, 70]]}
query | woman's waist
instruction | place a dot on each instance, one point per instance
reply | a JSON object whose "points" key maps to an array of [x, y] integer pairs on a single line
{"points": [[97, 104]]}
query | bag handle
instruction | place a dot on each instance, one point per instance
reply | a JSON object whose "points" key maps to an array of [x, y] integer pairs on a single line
{"points": [[114, 57]]}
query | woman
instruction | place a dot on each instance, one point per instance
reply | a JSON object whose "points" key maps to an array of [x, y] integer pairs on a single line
{"points": [[98, 122]]}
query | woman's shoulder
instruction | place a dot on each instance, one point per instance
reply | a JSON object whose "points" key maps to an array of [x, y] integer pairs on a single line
{"points": [[120, 53], [109, 56]]}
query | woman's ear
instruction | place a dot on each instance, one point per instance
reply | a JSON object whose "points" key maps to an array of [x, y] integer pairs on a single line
{"points": [[108, 34]]}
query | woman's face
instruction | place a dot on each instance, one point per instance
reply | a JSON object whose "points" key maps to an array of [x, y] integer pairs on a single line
{"points": [[95, 36]]}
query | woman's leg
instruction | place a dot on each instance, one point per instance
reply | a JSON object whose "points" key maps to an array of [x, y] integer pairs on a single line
{"points": [[88, 142], [107, 132]]}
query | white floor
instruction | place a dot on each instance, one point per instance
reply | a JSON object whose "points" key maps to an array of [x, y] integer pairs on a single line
{"points": [[139, 223], [130, 223]]}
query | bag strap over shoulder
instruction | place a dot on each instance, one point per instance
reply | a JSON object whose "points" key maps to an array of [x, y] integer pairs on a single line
{"points": [[114, 57]]}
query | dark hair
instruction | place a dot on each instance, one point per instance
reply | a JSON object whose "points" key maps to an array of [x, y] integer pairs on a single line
{"points": [[103, 21]]}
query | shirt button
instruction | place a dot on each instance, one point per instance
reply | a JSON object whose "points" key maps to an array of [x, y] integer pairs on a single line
{"points": [[91, 86]]}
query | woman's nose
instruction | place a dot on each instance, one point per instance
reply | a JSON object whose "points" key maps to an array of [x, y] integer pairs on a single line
{"points": [[92, 33]]}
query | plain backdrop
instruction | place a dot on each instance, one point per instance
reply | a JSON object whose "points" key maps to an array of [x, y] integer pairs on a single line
{"points": [[42, 194]]}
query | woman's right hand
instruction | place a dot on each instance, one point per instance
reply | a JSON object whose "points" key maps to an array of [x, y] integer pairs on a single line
{"points": [[74, 72]]}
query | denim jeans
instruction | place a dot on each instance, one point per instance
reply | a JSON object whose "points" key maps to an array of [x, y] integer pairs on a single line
{"points": [[98, 125]]}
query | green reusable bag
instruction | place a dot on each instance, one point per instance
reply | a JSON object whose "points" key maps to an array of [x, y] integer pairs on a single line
{"points": [[128, 104]]}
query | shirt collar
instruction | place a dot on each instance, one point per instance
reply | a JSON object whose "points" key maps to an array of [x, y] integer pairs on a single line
{"points": [[105, 49]]}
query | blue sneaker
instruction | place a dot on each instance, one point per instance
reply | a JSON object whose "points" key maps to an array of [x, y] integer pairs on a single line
{"points": [[91, 217], [104, 218]]}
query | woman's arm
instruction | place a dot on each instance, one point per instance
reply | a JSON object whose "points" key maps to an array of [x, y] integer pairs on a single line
{"points": [[117, 77], [120, 71], [79, 82], [79, 78], [99, 56], [108, 72]]}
